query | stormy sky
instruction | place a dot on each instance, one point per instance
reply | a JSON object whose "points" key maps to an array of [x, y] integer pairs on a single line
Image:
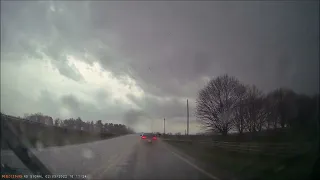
{"points": [[136, 62]]}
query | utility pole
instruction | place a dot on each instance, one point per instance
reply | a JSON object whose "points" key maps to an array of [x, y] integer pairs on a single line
{"points": [[187, 117], [164, 126]]}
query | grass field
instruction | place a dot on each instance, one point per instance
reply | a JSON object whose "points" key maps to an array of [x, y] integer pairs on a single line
{"points": [[247, 166]]}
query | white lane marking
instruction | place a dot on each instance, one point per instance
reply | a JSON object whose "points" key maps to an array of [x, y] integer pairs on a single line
{"points": [[194, 166]]}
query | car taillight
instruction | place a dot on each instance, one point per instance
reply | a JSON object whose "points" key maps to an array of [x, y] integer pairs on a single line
{"points": [[143, 137], [154, 138]]}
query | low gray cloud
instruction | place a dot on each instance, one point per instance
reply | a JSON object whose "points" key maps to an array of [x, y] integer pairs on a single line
{"points": [[70, 71], [147, 58], [89, 111], [134, 117], [158, 107]]}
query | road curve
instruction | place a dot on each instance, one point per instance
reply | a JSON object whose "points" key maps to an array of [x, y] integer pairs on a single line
{"points": [[124, 157]]}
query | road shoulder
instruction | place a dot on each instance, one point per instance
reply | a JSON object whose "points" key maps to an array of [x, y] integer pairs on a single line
{"points": [[208, 169]]}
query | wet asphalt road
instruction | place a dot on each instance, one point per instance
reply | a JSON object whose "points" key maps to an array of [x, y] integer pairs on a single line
{"points": [[125, 157]]}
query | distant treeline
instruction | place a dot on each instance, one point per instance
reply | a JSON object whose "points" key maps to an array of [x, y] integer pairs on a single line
{"points": [[78, 124], [226, 105]]}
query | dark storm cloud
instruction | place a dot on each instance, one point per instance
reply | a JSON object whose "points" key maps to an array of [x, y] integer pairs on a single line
{"points": [[67, 70], [70, 102], [90, 111], [133, 117], [171, 44], [168, 48], [160, 107], [264, 43]]}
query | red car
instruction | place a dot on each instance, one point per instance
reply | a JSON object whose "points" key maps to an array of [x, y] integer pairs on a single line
{"points": [[148, 137]]}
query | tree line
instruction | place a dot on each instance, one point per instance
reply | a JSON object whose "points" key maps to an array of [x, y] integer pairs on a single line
{"points": [[226, 105], [79, 124]]}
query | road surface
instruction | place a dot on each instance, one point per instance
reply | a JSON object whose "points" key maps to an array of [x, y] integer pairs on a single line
{"points": [[124, 157]]}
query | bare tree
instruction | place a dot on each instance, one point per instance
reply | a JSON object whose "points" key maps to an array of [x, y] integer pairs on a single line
{"points": [[284, 106], [50, 120], [26, 115], [57, 122], [239, 111], [273, 118], [79, 123], [254, 109], [215, 104], [98, 126], [264, 114]]}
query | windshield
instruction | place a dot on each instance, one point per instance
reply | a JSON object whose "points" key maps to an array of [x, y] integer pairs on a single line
{"points": [[220, 89]]}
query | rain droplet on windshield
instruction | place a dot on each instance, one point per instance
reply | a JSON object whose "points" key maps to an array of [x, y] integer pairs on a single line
{"points": [[87, 153], [39, 145], [89, 176]]}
